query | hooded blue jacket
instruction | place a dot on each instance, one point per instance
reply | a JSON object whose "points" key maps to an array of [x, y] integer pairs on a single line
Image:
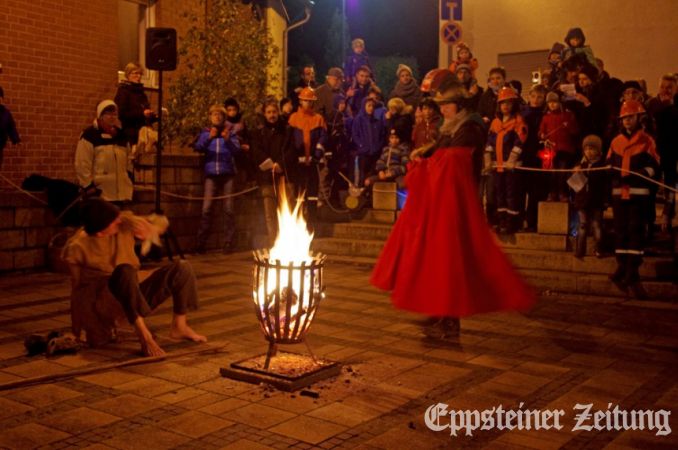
{"points": [[368, 132], [219, 152]]}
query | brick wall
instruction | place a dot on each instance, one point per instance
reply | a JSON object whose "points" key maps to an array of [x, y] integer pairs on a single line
{"points": [[27, 226], [59, 59]]}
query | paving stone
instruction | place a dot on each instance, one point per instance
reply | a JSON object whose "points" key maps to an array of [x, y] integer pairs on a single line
{"points": [[343, 414], [259, 416], [10, 408], [30, 435], [43, 395], [224, 406], [149, 387], [33, 368], [195, 424], [126, 405], [79, 420], [180, 395], [147, 437], [111, 378], [308, 429]]}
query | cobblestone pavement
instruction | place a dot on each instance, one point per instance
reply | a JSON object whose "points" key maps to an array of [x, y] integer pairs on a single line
{"points": [[568, 350]]}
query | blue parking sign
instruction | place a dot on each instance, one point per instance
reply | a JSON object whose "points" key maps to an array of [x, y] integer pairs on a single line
{"points": [[450, 9]]}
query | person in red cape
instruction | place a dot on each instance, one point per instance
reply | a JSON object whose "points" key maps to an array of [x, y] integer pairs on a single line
{"points": [[441, 258]]}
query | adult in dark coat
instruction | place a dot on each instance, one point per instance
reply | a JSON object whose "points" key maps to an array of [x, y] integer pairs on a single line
{"points": [[8, 130], [406, 88], [591, 105], [326, 92], [272, 151], [487, 106], [306, 79], [134, 108], [664, 110], [464, 74]]}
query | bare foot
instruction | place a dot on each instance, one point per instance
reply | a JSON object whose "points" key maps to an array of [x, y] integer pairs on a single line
{"points": [[186, 332], [151, 348]]}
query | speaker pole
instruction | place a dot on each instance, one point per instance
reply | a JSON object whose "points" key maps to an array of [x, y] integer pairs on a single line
{"points": [[169, 237], [158, 151]]}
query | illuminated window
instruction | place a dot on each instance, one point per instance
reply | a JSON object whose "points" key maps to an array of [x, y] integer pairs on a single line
{"points": [[134, 16]]}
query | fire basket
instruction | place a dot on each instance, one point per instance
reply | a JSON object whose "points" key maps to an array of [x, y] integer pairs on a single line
{"points": [[288, 288], [286, 298]]}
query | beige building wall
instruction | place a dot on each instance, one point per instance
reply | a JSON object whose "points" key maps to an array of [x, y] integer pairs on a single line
{"points": [[635, 39], [276, 24]]}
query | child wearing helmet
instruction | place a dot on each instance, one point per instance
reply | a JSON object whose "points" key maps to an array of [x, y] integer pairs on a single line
{"points": [[503, 153], [633, 150]]}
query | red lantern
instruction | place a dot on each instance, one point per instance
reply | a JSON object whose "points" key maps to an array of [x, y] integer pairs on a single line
{"points": [[546, 155]]}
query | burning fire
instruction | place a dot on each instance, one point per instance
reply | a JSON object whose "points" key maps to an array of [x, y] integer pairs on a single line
{"points": [[293, 243], [283, 296]]}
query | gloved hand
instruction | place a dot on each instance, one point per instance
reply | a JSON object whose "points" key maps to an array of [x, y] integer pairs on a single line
{"points": [[512, 161], [487, 163]]}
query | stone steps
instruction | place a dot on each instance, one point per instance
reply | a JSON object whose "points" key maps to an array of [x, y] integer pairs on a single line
{"points": [[376, 231], [552, 281], [523, 258]]}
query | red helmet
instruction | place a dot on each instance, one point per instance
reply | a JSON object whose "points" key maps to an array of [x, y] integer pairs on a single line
{"points": [[433, 79], [308, 93], [631, 107], [507, 93]]}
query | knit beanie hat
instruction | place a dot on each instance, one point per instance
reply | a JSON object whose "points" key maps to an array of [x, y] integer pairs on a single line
{"points": [[96, 214], [465, 67], [402, 67], [557, 47], [335, 72], [230, 101], [552, 97], [105, 105], [592, 141], [632, 84]]}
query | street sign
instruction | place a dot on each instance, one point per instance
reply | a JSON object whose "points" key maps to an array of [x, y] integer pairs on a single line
{"points": [[450, 33], [450, 9]]}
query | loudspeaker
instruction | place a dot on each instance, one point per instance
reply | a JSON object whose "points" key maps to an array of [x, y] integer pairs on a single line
{"points": [[161, 48]]}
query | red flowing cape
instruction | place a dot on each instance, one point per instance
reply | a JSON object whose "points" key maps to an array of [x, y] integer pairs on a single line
{"points": [[441, 258]]}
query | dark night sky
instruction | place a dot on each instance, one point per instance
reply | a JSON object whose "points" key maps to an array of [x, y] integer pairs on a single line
{"points": [[389, 27]]}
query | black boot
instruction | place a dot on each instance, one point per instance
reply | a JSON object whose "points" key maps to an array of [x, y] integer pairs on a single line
{"points": [[580, 245], [502, 219], [619, 275], [632, 276]]}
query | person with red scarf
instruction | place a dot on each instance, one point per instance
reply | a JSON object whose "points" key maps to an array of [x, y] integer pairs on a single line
{"points": [[505, 142], [309, 133], [441, 258], [102, 157], [633, 150]]}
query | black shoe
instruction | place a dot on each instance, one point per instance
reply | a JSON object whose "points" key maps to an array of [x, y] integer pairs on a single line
{"points": [[445, 328], [619, 282], [638, 291]]}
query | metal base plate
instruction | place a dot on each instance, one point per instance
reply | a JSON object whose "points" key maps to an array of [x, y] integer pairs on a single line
{"points": [[287, 372]]}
